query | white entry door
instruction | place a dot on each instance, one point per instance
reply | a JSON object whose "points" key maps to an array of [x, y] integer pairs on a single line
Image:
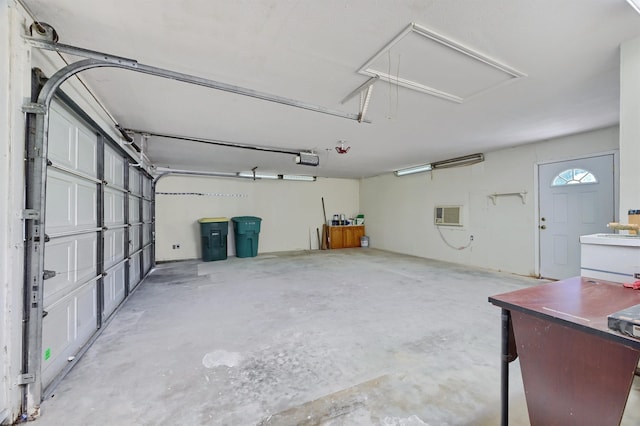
{"points": [[576, 198]]}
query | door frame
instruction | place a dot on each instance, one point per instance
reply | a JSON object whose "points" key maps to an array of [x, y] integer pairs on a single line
{"points": [[536, 189]]}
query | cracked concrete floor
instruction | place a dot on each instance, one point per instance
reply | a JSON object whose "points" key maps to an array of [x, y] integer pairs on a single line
{"points": [[342, 337]]}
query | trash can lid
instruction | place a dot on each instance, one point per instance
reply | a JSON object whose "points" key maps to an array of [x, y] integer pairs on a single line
{"points": [[213, 219], [246, 219]]}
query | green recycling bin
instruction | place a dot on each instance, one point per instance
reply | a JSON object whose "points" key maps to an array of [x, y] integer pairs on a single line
{"points": [[246, 230], [213, 234]]}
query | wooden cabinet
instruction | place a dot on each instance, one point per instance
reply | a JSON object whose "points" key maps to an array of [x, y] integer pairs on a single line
{"points": [[345, 236]]}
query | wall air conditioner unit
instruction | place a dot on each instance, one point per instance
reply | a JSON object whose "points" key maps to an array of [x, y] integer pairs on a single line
{"points": [[448, 216]]}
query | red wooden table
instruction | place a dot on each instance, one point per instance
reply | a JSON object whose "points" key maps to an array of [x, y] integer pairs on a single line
{"points": [[575, 370]]}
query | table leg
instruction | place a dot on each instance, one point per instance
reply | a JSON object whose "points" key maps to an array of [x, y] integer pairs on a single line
{"points": [[504, 390]]}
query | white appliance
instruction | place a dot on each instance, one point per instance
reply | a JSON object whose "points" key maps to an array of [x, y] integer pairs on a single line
{"points": [[610, 257]]}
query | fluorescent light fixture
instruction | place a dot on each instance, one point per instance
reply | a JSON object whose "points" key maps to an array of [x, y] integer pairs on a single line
{"points": [[467, 160], [258, 175], [298, 177], [635, 4], [412, 170]]}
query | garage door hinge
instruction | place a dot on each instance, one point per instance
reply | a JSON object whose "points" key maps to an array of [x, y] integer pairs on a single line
{"points": [[48, 274], [34, 108], [25, 379], [30, 214], [37, 238]]}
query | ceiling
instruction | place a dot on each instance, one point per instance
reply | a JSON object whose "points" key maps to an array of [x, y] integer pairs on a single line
{"points": [[565, 55]]}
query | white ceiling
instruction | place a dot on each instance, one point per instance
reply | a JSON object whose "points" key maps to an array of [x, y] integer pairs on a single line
{"points": [[311, 51]]}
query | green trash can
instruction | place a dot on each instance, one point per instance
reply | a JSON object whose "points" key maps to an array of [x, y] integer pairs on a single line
{"points": [[246, 232], [213, 234]]}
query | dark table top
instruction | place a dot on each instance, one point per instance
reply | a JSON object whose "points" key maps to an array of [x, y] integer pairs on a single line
{"points": [[579, 302]]}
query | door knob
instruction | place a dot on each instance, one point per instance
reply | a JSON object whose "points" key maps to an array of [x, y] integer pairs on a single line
{"points": [[543, 226]]}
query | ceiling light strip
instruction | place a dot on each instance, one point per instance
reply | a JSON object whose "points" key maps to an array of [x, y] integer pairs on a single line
{"points": [[247, 175], [298, 178], [466, 160], [253, 175], [412, 170]]}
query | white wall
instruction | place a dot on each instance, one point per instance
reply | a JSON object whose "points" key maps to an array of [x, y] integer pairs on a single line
{"points": [[290, 211], [629, 126], [14, 88], [399, 210]]}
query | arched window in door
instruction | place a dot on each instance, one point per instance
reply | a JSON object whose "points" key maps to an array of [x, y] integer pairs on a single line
{"points": [[574, 177]]}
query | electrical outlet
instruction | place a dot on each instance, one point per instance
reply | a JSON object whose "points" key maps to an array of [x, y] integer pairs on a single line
{"points": [[470, 237], [176, 246]]}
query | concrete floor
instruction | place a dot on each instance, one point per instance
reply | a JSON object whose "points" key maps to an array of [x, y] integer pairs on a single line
{"points": [[342, 337]]}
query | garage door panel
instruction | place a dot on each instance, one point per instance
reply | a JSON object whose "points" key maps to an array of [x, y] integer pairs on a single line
{"points": [[64, 193], [73, 259], [134, 209], [114, 288], [146, 211], [146, 188], [67, 327], [57, 331], [60, 196], [134, 182], [146, 234], [147, 259], [113, 247], [134, 271], [71, 143], [86, 265], [134, 238], [62, 140], [86, 315], [86, 146], [87, 193], [113, 207], [60, 258], [113, 167]]}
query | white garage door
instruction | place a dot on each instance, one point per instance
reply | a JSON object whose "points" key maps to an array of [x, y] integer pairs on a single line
{"points": [[98, 236], [71, 226]]}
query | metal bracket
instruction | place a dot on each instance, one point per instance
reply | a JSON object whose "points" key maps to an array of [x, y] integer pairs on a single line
{"points": [[522, 195], [34, 108], [46, 238], [100, 59], [30, 214], [25, 379], [48, 274], [79, 51]]}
